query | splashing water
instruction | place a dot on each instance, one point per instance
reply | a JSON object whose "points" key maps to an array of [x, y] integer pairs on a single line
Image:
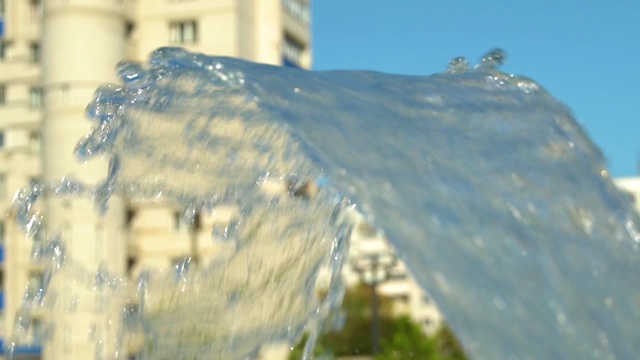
{"points": [[486, 186]]}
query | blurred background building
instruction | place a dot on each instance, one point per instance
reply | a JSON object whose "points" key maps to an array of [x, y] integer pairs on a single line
{"points": [[53, 55]]}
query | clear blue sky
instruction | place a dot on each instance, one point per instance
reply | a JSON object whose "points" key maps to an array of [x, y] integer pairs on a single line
{"points": [[585, 52]]}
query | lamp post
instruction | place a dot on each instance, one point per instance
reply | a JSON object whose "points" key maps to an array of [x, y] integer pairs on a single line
{"points": [[374, 268]]}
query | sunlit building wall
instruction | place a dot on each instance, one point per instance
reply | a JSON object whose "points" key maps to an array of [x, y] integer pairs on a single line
{"points": [[631, 185], [53, 54]]}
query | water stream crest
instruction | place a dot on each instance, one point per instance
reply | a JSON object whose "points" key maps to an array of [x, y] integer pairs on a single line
{"points": [[484, 183]]}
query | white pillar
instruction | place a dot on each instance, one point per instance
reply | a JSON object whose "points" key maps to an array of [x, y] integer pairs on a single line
{"points": [[268, 32], [82, 40]]}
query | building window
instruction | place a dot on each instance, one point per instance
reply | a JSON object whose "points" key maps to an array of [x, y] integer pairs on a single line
{"points": [[37, 329], [4, 50], [35, 142], [3, 94], [128, 30], [131, 263], [1, 254], [298, 9], [180, 224], [197, 225], [35, 52], [183, 32], [291, 52], [35, 181], [1, 139], [1, 7], [35, 8], [130, 215], [35, 98]]}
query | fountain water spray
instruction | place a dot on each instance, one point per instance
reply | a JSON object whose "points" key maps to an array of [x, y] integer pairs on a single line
{"points": [[486, 186]]}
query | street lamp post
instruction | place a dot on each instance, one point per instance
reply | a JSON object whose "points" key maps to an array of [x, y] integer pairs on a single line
{"points": [[373, 269]]}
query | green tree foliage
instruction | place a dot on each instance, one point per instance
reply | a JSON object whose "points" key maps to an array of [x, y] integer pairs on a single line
{"points": [[355, 338], [407, 341], [319, 352], [448, 346], [401, 338]]}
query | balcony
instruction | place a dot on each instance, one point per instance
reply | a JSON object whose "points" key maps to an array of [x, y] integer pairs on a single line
{"points": [[395, 288], [19, 113], [299, 9], [32, 349], [23, 352]]}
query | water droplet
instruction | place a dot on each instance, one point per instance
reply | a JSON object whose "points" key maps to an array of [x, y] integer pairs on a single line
{"points": [[458, 65], [189, 214], [100, 278], [527, 86], [604, 342], [131, 72], [479, 242], [632, 231], [69, 186], [33, 225], [493, 59], [73, 305], [181, 272], [224, 232]]}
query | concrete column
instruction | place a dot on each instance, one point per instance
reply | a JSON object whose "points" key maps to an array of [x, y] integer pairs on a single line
{"points": [[82, 40], [268, 32]]}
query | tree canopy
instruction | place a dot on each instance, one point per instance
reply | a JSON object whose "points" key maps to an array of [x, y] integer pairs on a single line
{"points": [[401, 338]]}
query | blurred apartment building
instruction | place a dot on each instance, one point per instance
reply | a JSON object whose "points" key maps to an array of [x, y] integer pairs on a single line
{"points": [[53, 55]]}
